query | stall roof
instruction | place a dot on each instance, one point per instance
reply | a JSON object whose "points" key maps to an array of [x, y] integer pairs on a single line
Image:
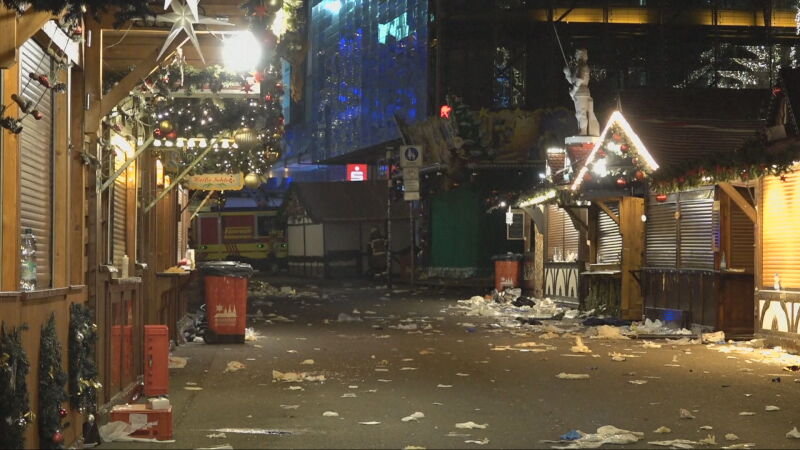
{"points": [[347, 201], [679, 125]]}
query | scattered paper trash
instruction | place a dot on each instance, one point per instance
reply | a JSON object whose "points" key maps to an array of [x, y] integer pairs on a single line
{"points": [[413, 417], [250, 334], [483, 441], [706, 427], [731, 437], [608, 332], [637, 381], [675, 443], [471, 425], [307, 362], [713, 338], [344, 317], [234, 366], [295, 377], [192, 388], [330, 414], [579, 346], [793, 434], [649, 344], [771, 408], [607, 434], [572, 376], [445, 386], [662, 430], [369, 423], [290, 406], [747, 413], [177, 362], [217, 436], [708, 440], [686, 414], [739, 446]]}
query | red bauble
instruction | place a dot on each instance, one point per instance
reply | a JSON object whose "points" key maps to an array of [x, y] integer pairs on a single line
{"points": [[58, 437], [622, 182], [37, 114], [635, 161], [661, 198], [77, 31], [617, 137], [639, 175], [62, 412], [624, 148], [587, 177], [172, 135], [601, 153], [268, 98], [258, 76], [157, 133]]}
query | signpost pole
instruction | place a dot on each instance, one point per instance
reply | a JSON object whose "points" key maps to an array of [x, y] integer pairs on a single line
{"points": [[389, 218]]}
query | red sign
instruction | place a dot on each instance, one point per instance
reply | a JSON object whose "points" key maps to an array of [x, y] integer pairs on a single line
{"points": [[356, 172]]}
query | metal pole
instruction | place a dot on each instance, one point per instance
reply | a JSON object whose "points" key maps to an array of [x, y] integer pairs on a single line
{"points": [[388, 218], [124, 167], [182, 174], [203, 203], [413, 239]]}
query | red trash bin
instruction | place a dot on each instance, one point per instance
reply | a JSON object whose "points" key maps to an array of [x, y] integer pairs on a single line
{"points": [[506, 272], [226, 300]]}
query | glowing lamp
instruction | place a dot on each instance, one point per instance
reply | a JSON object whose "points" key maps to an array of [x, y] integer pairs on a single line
{"points": [[444, 111], [242, 52]]}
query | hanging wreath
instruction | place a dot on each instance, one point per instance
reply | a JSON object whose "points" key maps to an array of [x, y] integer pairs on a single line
{"points": [[83, 384], [15, 414]]}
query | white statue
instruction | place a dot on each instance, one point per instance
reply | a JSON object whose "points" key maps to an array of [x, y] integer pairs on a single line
{"points": [[584, 106]]}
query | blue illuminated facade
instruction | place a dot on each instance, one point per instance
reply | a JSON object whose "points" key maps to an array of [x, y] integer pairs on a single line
{"points": [[367, 62]]}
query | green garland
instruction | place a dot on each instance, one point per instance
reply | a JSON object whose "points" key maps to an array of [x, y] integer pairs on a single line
{"points": [[15, 413], [52, 381], [125, 10], [83, 372], [754, 159]]}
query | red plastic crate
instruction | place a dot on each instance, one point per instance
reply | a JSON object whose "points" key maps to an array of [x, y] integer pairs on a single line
{"points": [[159, 421], [156, 360]]}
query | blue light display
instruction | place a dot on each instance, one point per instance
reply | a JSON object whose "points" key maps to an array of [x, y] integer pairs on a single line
{"points": [[368, 62]]}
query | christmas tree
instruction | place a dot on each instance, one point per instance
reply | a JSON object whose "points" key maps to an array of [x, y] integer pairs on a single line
{"points": [[15, 414], [83, 382], [52, 381]]}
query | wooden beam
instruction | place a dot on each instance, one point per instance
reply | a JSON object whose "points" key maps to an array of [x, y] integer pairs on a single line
{"points": [[93, 74], [608, 211], [31, 22], [144, 67], [8, 37], [9, 188], [632, 229], [740, 201], [577, 220]]}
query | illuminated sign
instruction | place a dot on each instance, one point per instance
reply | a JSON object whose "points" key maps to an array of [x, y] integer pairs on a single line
{"points": [[356, 172]]}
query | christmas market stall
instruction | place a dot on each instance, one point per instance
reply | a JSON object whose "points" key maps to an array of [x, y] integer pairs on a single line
{"points": [[335, 227], [777, 257], [700, 211]]}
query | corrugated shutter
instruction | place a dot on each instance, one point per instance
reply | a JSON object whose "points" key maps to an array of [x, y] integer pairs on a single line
{"points": [[36, 159], [119, 222], [696, 234], [561, 233], [742, 241], [661, 235], [609, 241], [780, 241]]}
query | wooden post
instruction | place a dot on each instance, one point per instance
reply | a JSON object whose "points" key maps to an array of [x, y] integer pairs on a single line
{"points": [[8, 37], [77, 195], [61, 175], [538, 264], [10, 187], [632, 230], [740, 201]]}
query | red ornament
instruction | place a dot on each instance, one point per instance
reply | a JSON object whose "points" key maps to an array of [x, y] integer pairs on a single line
{"points": [[661, 198], [279, 87], [62, 412], [37, 114], [745, 176], [445, 111], [622, 182], [157, 133], [601, 153], [681, 179], [617, 137], [639, 175], [776, 91], [268, 98], [624, 148], [258, 76], [41, 78], [587, 177], [260, 11], [58, 437], [77, 31], [172, 135]]}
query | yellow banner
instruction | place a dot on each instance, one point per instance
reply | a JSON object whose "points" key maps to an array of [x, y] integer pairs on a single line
{"points": [[216, 181]]}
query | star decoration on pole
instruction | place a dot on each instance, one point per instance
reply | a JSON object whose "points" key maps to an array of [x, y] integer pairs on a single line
{"points": [[182, 20], [192, 4]]}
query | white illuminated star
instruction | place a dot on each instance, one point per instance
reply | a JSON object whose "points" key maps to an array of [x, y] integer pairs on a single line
{"points": [[182, 19], [192, 6]]}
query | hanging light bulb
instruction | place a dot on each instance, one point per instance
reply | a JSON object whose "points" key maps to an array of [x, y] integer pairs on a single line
{"points": [[242, 52]]}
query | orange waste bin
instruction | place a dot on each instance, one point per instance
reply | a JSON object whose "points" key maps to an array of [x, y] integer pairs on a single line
{"points": [[506, 271], [226, 300]]}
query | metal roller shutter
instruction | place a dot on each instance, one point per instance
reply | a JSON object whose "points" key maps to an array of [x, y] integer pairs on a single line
{"points": [[120, 212], [780, 241], [609, 241], [661, 235], [561, 233], [36, 159], [696, 234]]}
